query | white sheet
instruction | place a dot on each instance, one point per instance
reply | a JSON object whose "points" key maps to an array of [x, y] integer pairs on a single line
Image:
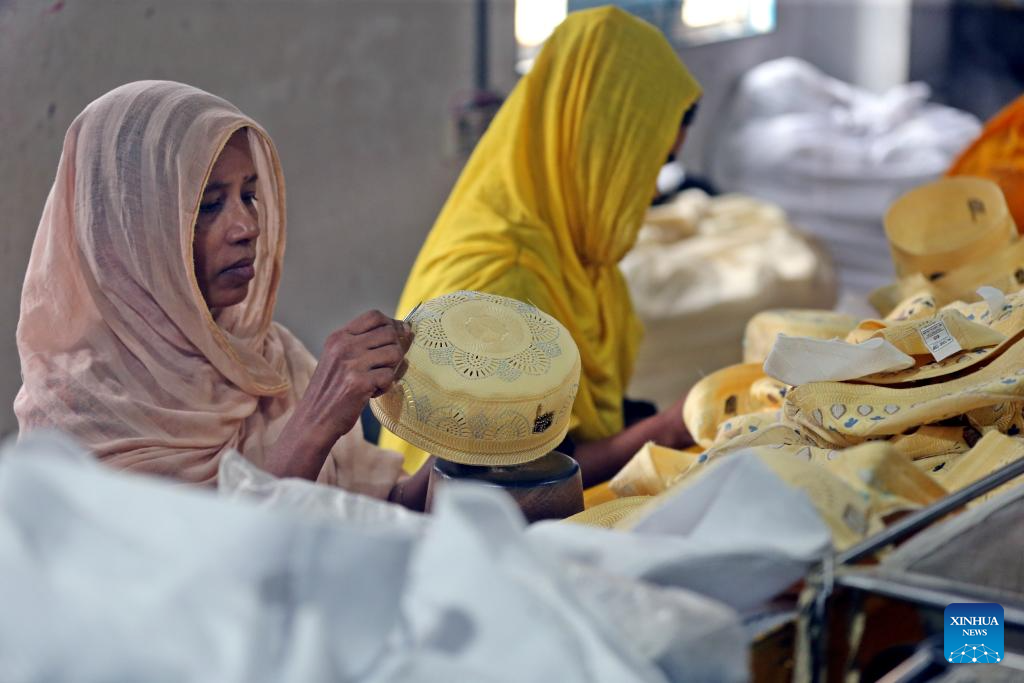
{"points": [[109, 576]]}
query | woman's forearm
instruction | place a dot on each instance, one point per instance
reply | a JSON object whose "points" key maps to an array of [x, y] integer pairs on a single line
{"points": [[411, 492], [302, 448], [601, 460]]}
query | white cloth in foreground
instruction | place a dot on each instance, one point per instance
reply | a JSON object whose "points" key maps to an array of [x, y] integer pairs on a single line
{"points": [[799, 360], [113, 576], [738, 534]]}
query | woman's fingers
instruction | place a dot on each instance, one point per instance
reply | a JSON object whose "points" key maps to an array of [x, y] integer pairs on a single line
{"points": [[395, 332], [405, 334], [384, 335], [382, 379], [389, 356], [366, 322]]}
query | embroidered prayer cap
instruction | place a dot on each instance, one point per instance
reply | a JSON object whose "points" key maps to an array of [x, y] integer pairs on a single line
{"points": [[763, 328], [490, 381]]}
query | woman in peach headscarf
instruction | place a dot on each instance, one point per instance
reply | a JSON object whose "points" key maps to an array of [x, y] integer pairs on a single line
{"points": [[146, 328], [553, 198]]}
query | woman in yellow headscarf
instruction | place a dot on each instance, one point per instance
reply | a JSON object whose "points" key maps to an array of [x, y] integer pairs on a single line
{"points": [[552, 199]]}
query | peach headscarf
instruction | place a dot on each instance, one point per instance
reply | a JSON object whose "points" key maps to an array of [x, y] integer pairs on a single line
{"points": [[117, 345]]}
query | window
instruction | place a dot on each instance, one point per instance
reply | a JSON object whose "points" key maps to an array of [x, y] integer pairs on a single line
{"points": [[704, 21], [685, 22]]}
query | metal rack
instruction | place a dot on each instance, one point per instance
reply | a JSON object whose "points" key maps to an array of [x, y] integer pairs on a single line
{"points": [[838, 575]]}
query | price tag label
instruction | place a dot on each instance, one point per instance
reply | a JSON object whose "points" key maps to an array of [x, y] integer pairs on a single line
{"points": [[939, 341]]}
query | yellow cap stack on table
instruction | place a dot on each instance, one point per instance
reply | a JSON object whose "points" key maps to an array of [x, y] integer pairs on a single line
{"points": [[983, 385], [947, 239], [490, 381]]}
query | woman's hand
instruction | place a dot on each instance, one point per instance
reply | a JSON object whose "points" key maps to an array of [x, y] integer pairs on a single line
{"points": [[360, 361], [672, 432], [601, 460]]}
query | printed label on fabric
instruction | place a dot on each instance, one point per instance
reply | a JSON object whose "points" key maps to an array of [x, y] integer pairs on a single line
{"points": [[973, 633], [939, 341]]}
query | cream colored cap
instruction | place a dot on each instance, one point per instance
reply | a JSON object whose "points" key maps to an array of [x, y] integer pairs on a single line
{"points": [[938, 227], [491, 381]]}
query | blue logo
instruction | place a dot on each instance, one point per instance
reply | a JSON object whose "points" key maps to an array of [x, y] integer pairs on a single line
{"points": [[974, 633]]}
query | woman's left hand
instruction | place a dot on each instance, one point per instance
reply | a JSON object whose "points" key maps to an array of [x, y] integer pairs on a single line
{"points": [[672, 431]]}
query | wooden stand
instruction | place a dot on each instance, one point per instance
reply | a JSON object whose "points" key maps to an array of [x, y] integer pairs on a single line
{"points": [[547, 488]]}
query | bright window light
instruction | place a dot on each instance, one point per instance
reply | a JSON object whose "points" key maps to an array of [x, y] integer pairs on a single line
{"points": [[704, 13], [685, 22], [536, 19]]}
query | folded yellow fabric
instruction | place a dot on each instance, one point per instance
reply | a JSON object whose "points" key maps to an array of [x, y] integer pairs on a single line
{"points": [[889, 478], [845, 414], [1003, 270], [598, 494], [908, 337], [769, 391], [854, 490], [745, 424], [933, 440], [651, 470], [914, 307], [718, 397], [995, 450], [610, 515], [844, 510], [772, 437], [938, 466], [1009, 324], [764, 327]]}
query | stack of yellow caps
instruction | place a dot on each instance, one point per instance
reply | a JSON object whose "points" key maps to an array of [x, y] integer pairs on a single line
{"points": [[947, 239], [938, 227]]}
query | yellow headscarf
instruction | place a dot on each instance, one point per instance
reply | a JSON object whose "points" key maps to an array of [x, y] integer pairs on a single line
{"points": [[555, 193]]}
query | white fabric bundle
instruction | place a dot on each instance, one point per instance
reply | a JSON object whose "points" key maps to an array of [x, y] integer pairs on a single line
{"points": [[702, 266], [835, 156]]}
